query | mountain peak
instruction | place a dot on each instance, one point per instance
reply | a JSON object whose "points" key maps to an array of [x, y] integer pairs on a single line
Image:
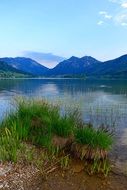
{"points": [[73, 58], [86, 65], [88, 58]]}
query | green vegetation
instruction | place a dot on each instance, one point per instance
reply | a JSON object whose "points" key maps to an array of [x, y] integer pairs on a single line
{"points": [[7, 71], [9, 74], [40, 124], [80, 76], [64, 162], [9, 144], [63, 126], [100, 166], [36, 122], [95, 138]]}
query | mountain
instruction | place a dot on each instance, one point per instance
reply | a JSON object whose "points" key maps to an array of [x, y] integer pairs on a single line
{"points": [[8, 71], [86, 66], [26, 65], [89, 66], [75, 65], [113, 67]]}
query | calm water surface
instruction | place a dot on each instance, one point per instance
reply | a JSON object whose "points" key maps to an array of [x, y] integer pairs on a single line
{"points": [[100, 101]]}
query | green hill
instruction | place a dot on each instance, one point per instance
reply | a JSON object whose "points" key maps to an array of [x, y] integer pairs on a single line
{"points": [[7, 71]]}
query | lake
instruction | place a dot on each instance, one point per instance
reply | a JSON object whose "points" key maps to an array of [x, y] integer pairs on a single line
{"points": [[100, 101]]}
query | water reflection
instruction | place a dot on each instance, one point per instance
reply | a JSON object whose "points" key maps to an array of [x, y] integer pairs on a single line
{"points": [[99, 100]]}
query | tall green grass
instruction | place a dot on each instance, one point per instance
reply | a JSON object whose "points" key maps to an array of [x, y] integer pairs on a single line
{"points": [[63, 126], [96, 138], [9, 144], [36, 121]]}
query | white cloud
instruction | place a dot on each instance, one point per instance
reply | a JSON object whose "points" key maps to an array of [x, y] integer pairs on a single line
{"points": [[100, 22], [47, 59], [119, 14], [102, 12], [108, 16], [121, 19], [124, 23], [114, 1], [124, 5], [105, 14]]}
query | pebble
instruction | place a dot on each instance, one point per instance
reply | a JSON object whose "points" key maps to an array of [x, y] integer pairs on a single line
{"points": [[1, 186]]}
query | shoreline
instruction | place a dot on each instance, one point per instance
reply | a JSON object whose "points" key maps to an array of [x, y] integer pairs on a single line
{"points": [[16, 177], [38, 143]]}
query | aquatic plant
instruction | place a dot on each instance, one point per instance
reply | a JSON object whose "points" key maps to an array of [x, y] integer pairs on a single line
{"points": [[39, 123], [96, 138], [91, 143], [9, 144], [62, 126]]}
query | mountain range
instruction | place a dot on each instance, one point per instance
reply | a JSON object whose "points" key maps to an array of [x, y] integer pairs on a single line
{"points": [[9, 71], [26, 65], [86, 66]]}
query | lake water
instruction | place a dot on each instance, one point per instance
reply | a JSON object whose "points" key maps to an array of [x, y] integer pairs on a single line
{"points": [[100, 101]]}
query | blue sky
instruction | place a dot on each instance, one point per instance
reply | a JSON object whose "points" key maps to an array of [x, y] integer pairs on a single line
{"points": [[62, 28]]}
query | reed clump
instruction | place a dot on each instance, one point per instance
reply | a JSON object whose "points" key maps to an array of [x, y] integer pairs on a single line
{"points": [[41, 124]]}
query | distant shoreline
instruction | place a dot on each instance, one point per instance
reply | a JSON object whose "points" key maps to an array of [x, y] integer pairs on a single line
{"points": [[62, 78]]}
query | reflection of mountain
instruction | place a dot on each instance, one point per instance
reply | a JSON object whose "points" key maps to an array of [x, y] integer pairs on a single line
{"points": [[50, 88], [60, 86], [85, 94]]}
